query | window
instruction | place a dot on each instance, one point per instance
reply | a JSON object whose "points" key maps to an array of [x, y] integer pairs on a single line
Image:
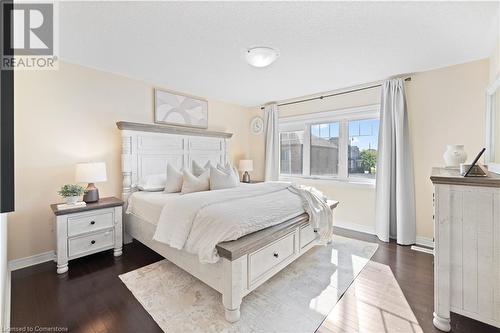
{"points": [[325, 149], [362, 148], [335, 144], [291, 152]]}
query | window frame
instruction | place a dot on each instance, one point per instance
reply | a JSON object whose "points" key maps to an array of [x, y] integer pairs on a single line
{"points": [[342, 116]]}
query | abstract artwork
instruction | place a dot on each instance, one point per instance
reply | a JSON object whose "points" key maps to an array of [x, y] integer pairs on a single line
{"points": [[174, 109]]}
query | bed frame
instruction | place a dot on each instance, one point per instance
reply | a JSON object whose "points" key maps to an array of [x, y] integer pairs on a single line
{"points": [[245, 263]]}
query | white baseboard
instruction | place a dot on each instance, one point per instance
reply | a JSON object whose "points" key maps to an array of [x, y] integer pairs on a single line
{"points": [[422, 249], [33, 260], [425, 241], [366, 229]]}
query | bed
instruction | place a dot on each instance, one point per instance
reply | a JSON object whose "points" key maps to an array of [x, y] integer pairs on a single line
{"points": [[243, 264]]}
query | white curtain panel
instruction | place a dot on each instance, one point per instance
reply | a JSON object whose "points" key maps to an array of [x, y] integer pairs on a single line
{"points": [[395, 200], [272, 142]]}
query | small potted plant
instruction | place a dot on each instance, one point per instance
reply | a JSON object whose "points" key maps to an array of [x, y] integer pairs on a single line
{"points": [[71, 193]]}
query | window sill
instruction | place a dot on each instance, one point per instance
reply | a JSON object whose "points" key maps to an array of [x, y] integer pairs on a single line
{"points": [[362, 183]]}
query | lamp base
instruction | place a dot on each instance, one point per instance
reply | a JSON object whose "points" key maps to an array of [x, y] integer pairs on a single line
{"points": [[91, 194], [245, 178]]}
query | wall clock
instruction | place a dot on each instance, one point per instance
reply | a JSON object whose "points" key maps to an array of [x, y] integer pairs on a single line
{"points": [[257, 126]]}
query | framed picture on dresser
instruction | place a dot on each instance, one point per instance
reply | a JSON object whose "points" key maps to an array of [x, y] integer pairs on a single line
{"points": [[180, 110]]}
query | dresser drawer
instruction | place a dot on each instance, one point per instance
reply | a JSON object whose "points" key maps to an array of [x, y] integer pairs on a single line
{"points": [[90, 222], [307, 235], [90, 243], [268, 258]]}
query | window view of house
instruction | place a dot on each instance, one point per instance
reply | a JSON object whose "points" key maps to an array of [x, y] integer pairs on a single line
{"points": [[325, 149], [362, 148], [291, 154], [342, 147]]}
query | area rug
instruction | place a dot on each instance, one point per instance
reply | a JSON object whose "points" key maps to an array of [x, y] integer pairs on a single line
{"points": [[297, 299]]}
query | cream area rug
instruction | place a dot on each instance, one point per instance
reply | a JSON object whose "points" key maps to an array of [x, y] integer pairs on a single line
{"points": [[297, 299]]}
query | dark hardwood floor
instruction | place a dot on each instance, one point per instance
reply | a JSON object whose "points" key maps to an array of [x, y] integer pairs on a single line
{"points": [[91, 297]]}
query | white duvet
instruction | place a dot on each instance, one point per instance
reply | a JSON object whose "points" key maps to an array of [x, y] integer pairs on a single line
{"points": [[197, 222]]}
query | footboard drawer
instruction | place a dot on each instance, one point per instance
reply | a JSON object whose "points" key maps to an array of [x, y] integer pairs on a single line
{"points": [[270, 257], [307, 235]]}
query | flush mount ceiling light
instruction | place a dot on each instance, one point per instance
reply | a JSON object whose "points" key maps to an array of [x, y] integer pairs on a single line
{"points": [[261, 56]]}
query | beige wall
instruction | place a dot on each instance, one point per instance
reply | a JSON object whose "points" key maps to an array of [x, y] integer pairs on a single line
{"points": [[68, 116], [495, 63], [445, 106], [495, 55]]}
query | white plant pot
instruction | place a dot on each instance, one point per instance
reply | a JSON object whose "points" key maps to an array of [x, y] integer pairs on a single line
{"points": [[72, 200], [454, 155]]}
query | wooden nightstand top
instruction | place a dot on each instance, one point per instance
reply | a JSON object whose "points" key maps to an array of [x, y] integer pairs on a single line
{"points": [[102, 203]]}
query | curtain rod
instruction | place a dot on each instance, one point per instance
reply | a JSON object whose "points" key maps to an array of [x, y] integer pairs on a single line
{"points": [[332, 95]]}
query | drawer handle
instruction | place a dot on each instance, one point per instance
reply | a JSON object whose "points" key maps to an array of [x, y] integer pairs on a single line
{"points": [[92, 242], [276, 255], [92, 222]]}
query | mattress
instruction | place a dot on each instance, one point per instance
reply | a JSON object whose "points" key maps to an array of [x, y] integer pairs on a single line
{"points": [[148, 205]]}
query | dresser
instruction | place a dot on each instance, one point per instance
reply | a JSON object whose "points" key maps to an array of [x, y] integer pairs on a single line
{"points": [[85, 230], [467, 247]]}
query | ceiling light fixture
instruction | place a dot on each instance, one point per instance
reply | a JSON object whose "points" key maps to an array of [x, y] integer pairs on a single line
{"points": [[261, 56]]}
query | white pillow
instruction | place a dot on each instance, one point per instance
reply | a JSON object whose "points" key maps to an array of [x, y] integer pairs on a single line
{"points": [[191, 183], [152, 183], [198, 169], [220, 180], [174, 180], [229, 169]]}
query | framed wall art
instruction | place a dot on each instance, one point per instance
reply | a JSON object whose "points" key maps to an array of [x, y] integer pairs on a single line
{"points": [[180, 110]]}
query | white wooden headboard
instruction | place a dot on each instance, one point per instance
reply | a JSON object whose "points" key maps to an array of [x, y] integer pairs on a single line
{"points": [[146, 149]]}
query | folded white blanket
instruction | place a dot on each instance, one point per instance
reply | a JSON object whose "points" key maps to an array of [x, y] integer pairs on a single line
{"points": [[197, 222]]}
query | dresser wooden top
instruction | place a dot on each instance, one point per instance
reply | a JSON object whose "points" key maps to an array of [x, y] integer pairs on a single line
{"points": [[453, 177], [102, 203]]}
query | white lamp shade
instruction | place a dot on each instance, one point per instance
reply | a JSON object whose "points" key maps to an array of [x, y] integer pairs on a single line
{"points": [[246, 165], [91, 172]]}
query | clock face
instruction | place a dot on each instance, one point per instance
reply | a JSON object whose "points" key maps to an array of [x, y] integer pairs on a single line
{"points": [[257, 125]]}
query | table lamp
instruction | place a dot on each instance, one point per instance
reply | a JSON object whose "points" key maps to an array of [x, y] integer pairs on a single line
{"points": [[91, 173], [246, 165]]}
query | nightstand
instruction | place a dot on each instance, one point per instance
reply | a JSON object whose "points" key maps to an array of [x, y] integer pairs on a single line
{"points": [[85, 230], [253, 182]]}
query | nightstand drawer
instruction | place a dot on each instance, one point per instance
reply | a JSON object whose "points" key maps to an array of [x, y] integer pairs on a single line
{"points": [[90, 243], [91, 222]]}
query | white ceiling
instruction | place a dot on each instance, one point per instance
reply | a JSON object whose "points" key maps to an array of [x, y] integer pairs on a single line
{"points": [[198, 48]]}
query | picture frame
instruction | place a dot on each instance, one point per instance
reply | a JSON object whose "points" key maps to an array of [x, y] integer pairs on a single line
{"points": [[176, 109]]}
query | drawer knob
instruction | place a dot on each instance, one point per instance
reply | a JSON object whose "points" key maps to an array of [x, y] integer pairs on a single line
{"points": [[276, 255], [92, 222], [92, 242]]}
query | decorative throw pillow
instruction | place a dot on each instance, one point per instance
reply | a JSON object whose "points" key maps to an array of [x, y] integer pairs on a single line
{"points": [[198, 169], [191, 183], [220, 179], [174, 180], [152, 183], [228, 168]]}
